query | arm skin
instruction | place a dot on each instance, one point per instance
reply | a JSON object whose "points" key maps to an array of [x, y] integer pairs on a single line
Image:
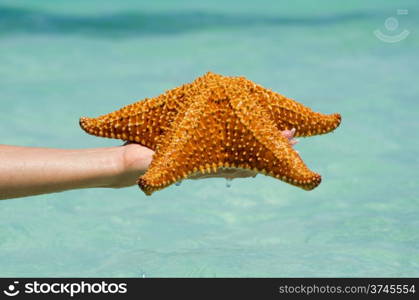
{"points": [[27, 171]]}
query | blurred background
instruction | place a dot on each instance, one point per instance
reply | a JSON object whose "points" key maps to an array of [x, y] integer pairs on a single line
{"points": [[60, 60]]}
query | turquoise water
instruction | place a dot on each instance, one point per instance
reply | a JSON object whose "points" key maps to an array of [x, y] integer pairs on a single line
{"points": [[60, 60]]}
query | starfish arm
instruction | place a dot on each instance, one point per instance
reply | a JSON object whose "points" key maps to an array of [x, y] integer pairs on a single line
{"points": [[143, 122], [190, 148], [272, 151], [288, 113]]}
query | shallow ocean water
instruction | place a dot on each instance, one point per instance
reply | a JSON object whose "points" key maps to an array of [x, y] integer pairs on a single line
{"points": [[62, 60]]}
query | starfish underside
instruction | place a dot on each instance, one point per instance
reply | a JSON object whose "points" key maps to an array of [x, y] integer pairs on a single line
{"points": [[216, 122]]}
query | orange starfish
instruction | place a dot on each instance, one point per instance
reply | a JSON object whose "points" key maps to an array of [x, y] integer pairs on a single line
{"points": [[216, 122]]}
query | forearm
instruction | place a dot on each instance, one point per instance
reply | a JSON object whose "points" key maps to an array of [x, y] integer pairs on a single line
{"points": [[31, 171]]}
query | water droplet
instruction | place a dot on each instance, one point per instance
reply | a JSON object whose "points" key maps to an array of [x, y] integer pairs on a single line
{"points": [[142, 274], [228, 182], [178, 183]]}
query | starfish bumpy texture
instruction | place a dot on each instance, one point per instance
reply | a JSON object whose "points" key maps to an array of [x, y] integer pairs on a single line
{"points": [[216, 122]]}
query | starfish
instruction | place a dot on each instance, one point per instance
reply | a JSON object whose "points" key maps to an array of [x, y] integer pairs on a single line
{"points": [[217, 122]]}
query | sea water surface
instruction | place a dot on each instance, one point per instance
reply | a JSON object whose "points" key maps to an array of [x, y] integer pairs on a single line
{"points": [[60, 60]]}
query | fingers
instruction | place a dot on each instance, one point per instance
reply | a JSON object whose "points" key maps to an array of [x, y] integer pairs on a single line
{"points": [[289, 134]]}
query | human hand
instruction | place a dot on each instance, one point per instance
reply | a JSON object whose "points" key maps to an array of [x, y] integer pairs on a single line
{"points": [[134, 161]]}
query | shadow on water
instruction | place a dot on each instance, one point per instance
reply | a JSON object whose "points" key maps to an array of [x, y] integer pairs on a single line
{"points": [[16, 20]]}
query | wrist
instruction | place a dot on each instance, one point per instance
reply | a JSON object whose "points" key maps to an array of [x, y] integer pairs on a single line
{"points": [[130, 162]]}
